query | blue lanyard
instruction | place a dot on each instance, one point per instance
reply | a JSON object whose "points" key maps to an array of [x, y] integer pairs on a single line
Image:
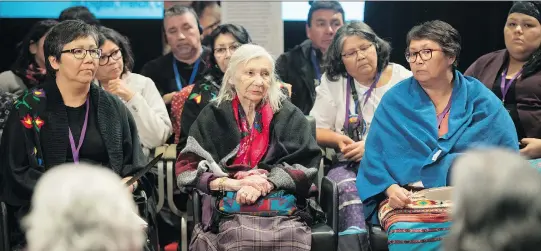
{"points": [[315, 63], [177, 75]]}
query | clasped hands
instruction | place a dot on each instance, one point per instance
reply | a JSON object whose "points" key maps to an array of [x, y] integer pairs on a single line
{"points": [[251, 185]]}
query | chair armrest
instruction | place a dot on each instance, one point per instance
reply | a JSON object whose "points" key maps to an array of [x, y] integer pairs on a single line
{"points": [[171, 152], [197, 207], [329, 202], [312, 123], [4, 227], [161, 176]]}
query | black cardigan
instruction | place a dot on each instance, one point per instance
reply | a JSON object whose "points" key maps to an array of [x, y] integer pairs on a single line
{"points": [[22, 166]]}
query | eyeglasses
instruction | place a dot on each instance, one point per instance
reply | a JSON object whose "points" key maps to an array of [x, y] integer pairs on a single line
{"points": [[425, 54], [116, 55], [80, 53], [363, 50], [222, 50]]}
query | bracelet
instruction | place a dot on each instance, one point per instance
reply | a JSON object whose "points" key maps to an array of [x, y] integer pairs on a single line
{"points": [[221, 184]]}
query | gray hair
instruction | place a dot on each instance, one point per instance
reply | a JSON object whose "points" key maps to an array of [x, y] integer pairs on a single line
{"points": [[440, 32], [242, 56], [496, 203], [333, 64], [179, 10], [84, 208]]}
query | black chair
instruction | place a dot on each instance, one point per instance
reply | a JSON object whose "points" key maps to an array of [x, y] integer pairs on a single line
{"points": [[378, 237], [324, 237], [4, 235]]}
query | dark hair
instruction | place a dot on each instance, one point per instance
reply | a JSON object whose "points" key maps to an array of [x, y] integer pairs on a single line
{"points": [[179, 10], [333, 64], [25, 57], [122, 42], [440, 32], [237, 31], [78, 13], [324, 5], [63, 33], [200, 6]]}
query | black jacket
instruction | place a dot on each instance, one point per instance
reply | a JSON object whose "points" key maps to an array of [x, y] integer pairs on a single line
{"points": [[27, 153], [295, 67]]}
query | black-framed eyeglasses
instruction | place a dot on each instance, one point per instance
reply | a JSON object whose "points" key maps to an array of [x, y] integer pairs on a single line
{"points": [[363, 50], [116, 55], [222, 50], [80, 53], [425, 54]]}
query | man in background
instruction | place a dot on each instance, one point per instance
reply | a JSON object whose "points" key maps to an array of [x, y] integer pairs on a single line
{"points": [[210, 16], [183, 65], [301, 66]]}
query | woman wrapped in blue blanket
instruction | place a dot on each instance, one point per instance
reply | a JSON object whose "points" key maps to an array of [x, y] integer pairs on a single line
{"points": [[357, 75], [420, 127]]}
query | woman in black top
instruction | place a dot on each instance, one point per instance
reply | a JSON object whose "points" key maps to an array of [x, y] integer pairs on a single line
{"points": [[66, 119]]}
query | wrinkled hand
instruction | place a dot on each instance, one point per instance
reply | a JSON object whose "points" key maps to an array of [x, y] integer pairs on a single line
{"points": [[247, 195], [398, 196], [532, 148], [354, 151], [243, 174], [258, 182], [119, 88]]}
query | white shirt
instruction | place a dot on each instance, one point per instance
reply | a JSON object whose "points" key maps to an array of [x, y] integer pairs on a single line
{"points": [[329, 108]]}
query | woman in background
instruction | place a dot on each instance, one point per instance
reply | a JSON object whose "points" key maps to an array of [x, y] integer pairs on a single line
{"points": [[29, 68], [357, 76], [137, 92], [514, 73]]}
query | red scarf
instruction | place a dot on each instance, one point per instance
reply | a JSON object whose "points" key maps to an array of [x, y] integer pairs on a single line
{"points": [[254, 141]]}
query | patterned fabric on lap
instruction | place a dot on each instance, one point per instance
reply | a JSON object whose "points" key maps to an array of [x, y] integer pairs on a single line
{"points": [[275, 204], [421, 226], [245, 232]]}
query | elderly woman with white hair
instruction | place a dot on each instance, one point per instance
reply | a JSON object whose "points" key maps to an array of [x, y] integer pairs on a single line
{"points": [[73, 221], [504, 212], [253, 148]]}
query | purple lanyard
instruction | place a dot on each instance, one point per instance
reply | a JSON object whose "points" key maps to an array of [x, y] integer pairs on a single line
{"points": [[75, 150], [351, 91], [446, 110], [505, 85], [315, 63]]}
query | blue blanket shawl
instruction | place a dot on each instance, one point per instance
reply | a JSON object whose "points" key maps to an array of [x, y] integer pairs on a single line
{"points": [[403, 144]]}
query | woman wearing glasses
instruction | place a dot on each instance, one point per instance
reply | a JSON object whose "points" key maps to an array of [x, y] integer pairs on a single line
{"points": [[138, 92], [66, 119], [224, 41], [357, 75], [420, 126], [520, 65]]}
